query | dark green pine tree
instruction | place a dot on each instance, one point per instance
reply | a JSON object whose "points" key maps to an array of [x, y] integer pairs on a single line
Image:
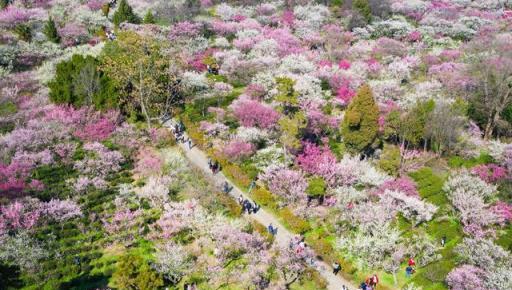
{"points": [[4, 3], [50, 30], [149, 18], [363, 7], [124, 13]]}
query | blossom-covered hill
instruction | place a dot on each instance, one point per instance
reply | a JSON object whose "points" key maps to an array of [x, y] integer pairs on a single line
{"points": [[378, 130]]}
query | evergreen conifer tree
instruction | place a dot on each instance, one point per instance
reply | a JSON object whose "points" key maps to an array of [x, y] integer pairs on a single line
{"points": [[360, 124], [124, 13], [149, 18], [50, 30]]}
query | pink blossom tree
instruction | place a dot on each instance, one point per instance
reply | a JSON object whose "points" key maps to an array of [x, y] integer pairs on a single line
{"points": [[313, 157], [290, 184], [18, 216], [503, 210], [402, 184], [491, 173], [238, 149], [466, 277], [148, 162], [61, 210], [252, 113]]}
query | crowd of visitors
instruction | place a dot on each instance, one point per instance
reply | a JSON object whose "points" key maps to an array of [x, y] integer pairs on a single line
{"points": [[214, 166], [178, 131], [248, 206]]}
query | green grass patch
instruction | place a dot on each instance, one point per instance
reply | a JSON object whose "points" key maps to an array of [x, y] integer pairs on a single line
{"points": [[7, 108], [430, 186], [459, 162]]}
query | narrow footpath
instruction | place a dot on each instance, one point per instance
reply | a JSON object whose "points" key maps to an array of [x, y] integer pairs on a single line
{"points": [[199, 159]]}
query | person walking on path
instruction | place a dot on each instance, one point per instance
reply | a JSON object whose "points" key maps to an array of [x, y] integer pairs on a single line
{"points": [[443, 241], [363, 286], [272, 230], [225, 187], [251, 186], [408, 271], [336, 268], [374, 280], [411, 262]]}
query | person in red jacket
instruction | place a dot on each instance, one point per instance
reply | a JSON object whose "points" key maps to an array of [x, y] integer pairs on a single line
{"points": [[411, 262], [374, 280]]}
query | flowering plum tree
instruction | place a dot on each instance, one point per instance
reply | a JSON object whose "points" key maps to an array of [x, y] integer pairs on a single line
{"points": [[287, 183], [254, 114]]}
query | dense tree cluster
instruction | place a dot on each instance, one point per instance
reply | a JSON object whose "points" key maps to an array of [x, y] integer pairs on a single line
{"points": [[379, 130]]}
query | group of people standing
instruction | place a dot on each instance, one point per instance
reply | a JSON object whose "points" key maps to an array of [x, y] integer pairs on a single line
{"points": [[247, 206], [214, 166], [370, 283], [179, 130]]}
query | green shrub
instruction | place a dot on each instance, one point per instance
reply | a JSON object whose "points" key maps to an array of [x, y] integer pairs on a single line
{"points": [[132, 272], [316, 187], [458, 162], [7, 108], [263, 197], [23, 31], [363, 7], [50, 31], [390, 159], [149, 18], [296, 224], [54, 180]]}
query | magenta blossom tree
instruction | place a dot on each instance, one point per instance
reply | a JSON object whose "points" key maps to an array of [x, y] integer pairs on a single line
{"points": [[490, 173], [18, 216], [314, 157]]}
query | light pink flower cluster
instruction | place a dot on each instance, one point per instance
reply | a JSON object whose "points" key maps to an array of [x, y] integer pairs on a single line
{"points": [[237, 149]]}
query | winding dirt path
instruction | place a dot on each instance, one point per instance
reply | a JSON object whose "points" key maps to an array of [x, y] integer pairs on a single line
{"points": [[199, 159]]}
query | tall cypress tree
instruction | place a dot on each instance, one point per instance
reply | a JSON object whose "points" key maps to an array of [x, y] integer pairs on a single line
{"points": [[124, 13], [360, 124], [149, 18], [50, 30], [363, 7]]}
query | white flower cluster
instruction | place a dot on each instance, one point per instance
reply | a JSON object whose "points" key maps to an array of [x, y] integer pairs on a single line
{"points": [[251, 134], [396, 27], [469, 183], [226, 12], [221, 42], [313, 16], [195, 81], [412, 208], [365, 173], [267, 47], [387, 89], [296, 64], [308, 87], [271, 155]]}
